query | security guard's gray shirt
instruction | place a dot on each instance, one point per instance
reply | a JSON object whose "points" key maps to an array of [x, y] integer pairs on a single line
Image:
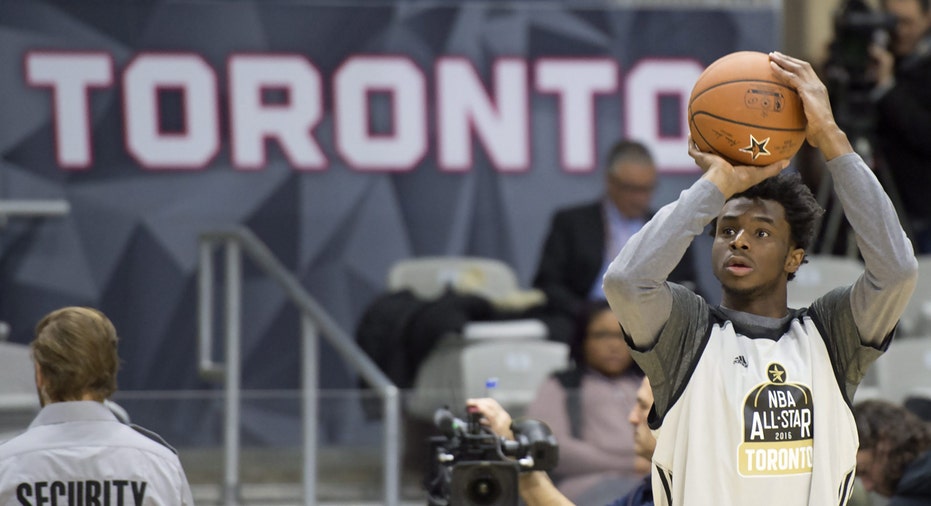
{"points": [[79, 453]]}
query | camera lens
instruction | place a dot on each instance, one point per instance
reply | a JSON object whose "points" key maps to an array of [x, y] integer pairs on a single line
{"points": [[484, 489]]}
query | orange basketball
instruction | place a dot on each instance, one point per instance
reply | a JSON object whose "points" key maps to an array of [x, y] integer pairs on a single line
{"points": [[740, 110]]}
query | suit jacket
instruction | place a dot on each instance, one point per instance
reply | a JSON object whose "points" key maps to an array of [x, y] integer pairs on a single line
{"points": [[573, 254]]}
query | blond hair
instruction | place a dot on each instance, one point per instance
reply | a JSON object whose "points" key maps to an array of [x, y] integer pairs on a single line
{"points": [[76, 351]]}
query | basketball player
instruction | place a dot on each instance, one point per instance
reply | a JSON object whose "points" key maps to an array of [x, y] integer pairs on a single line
{"points": [[752, 398], [76, 451]]}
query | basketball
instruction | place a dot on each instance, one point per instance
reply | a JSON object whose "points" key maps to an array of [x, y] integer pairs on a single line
{"points": [[741, 110]]}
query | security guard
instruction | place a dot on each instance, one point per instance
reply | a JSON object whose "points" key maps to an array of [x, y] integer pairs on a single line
{"points": [[77, 451]]}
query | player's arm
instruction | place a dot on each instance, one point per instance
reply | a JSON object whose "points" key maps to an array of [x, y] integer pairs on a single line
{"points": [[878, 298]]}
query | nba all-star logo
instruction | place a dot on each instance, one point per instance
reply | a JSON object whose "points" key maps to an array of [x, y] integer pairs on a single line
{"points": [[778, 426], [756, 148]]}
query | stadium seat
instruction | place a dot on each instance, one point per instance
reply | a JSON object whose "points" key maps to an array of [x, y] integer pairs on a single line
{"points": [[428, 277], [917, 317], [820, 275], [905, 369], [516, 353], [19, 402]]}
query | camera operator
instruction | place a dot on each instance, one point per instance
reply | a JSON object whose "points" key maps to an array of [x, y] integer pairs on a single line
{"points": [[902, 98], [536, 488]]}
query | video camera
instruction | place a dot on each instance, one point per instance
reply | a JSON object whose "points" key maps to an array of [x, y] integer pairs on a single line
{"points": [[848, 76], [474, 467], [856, 27]]}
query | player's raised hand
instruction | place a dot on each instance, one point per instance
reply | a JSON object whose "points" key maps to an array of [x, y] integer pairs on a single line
{"points": [[822, 131], [732, 179]]}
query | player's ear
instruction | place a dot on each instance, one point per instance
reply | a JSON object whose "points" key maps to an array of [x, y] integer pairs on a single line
{"points": [[794, 259]]}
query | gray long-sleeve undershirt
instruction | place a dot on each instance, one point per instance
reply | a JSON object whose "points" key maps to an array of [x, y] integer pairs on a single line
{"points": [[635, 283]]}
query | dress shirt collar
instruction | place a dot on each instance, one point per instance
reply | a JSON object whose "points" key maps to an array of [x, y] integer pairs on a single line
{"points": [[73, 411]]}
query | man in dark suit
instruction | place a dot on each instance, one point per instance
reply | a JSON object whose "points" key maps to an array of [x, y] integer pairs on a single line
{"points": [[583, 239]]}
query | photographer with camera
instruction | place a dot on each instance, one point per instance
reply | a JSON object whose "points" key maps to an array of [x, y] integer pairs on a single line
{"points": [[902, 100], [473, 465], [586, 406], [536, 488]]}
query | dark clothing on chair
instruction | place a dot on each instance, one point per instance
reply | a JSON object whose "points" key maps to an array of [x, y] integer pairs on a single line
{"points": [[398, 330]]}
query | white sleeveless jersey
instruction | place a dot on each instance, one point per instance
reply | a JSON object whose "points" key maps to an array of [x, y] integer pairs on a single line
{"points": [[755, 419]]}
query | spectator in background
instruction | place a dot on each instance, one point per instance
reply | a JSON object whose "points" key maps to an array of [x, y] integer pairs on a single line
{"points": [[585, 407], [76, 451], [536, 488], [902, 96], [919, 402], [583, 239], [894, 459]]}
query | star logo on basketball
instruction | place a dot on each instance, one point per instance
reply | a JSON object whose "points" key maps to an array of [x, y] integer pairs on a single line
{"points": [[756, 148]]}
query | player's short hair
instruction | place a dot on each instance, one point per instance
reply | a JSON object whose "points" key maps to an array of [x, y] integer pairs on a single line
{"points": [[802, 209], [75, 349]]}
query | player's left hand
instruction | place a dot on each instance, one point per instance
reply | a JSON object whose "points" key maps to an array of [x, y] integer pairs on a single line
{"points": [[822, 131]]}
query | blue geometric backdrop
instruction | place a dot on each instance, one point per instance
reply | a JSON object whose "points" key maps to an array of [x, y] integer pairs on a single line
{"points": [[129, 244]]}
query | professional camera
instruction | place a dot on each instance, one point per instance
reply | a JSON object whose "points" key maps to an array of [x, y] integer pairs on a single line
{"points": [[848, 74], [856, 27], [474, 467]]}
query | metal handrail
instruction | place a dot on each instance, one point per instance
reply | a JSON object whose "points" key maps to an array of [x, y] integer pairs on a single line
{"points": [[313, 318], [33, 208], [29, 208]]}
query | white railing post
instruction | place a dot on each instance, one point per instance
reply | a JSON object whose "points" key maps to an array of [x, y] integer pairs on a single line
{"points": [[309, 373], [315, 323], [233, 367], [392, 445]]}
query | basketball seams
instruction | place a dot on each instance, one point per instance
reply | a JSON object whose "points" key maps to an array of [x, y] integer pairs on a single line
{"points": [[724, 83], [744, 124]]}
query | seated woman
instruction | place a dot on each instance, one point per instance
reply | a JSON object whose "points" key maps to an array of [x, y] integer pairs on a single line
{"points": [[587, 408]]}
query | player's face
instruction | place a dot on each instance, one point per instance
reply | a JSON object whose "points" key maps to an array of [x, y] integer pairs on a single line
{"points": [[630, 187], [753, 251], [911, 24], [604, 347], [644, 442]]}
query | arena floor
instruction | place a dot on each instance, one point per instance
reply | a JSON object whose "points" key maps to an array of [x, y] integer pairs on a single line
{"points": [[346, 476]]}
